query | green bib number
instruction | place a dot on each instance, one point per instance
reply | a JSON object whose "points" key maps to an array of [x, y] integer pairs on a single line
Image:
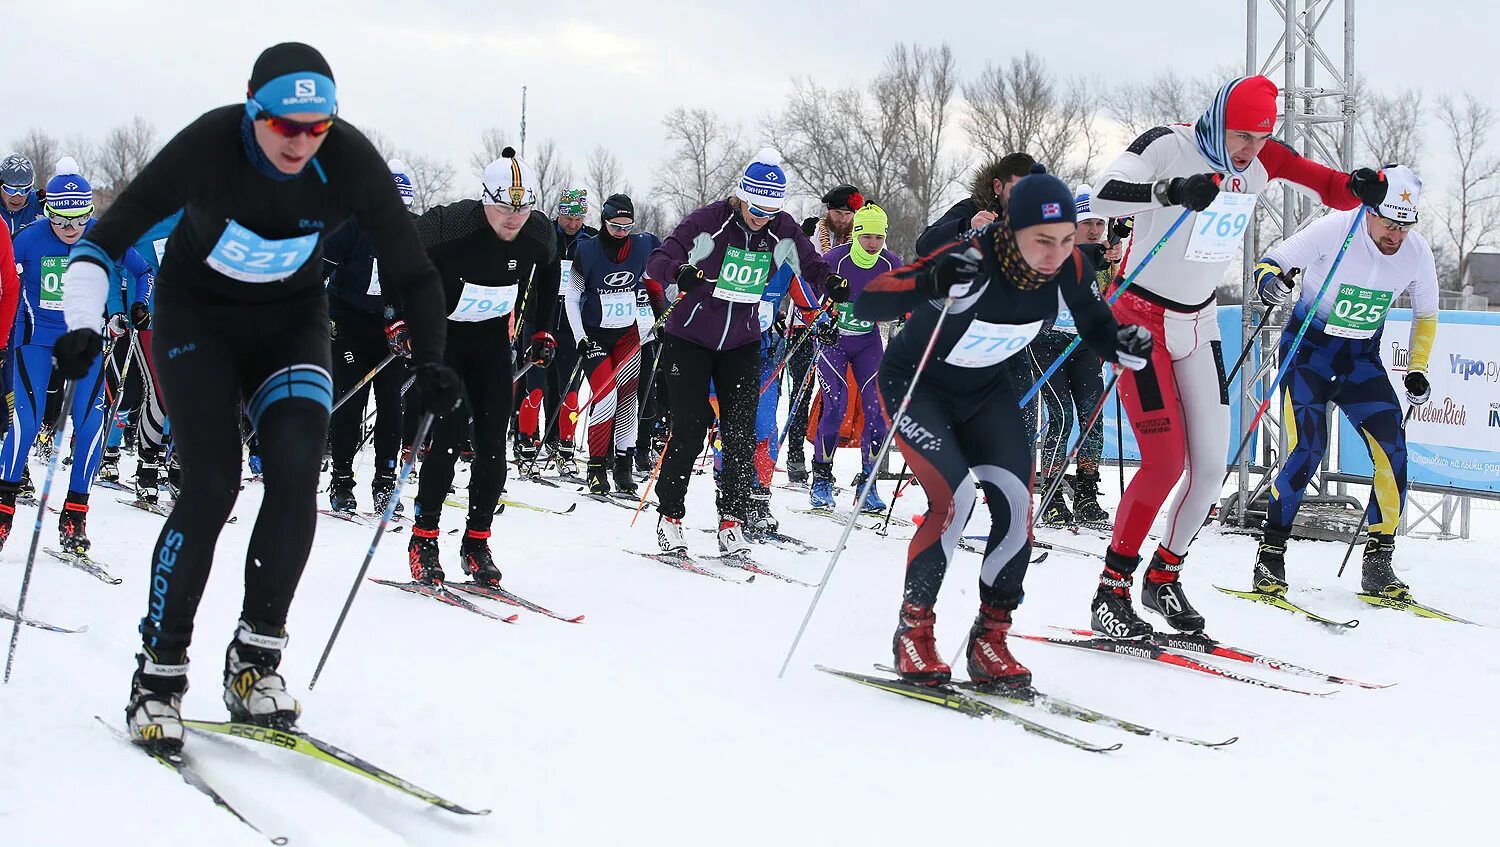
{"points": [[52, 282], [849, 324], [743, 276], [1358, 312]]}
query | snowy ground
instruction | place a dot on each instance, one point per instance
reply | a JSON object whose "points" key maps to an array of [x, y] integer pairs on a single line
{"points": [[660, 719]]}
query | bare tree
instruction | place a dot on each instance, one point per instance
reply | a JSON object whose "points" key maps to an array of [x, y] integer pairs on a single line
{"points": [[1475, 196], [42, 149], [706, 159], [381, 142], [605, 175], [431, 179], [82, 150], [1166, 98], [552, 175], [492, 140], [1023, 107], [922, 82], [125, 151], [652, 215], [1389, 130]]}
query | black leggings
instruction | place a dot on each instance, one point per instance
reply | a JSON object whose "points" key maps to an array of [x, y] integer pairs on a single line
{"points": [[945, 437], [359, 344], [1078, 384], [211, 357], [736, 381], [480, 353]]}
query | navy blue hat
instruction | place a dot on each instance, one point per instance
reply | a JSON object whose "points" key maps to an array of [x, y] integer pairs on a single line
{"points": [[1040, 198]]}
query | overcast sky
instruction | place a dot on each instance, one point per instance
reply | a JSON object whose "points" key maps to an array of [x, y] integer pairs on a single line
{"points": [[431, 75]]}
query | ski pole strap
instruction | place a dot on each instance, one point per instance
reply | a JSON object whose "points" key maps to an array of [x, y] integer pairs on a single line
{"points": [[1073, 345]]}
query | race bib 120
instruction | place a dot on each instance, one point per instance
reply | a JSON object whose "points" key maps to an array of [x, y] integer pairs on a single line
{"points": [[245, 256]]}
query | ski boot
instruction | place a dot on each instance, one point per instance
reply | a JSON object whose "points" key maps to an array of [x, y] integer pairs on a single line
{"points": [[732, 536], [625, 473], [1377, 577], [25, 489], [44, 442], [567, 462], [915, 647], [422, 551], [147, 482], [598, 476], [254, 692], [820, 495], [526, 450], [1113, 614], [381, 489], [642, 457], [1055, 509], [761, 519], [71, 529], [7, 510], [341, 494], [474, 553], [796, 467], [109, 465], [1270, 563], [669, 535], [872, 504], [991, 664], [154, 714], [1086, 508], [1162, 592]]}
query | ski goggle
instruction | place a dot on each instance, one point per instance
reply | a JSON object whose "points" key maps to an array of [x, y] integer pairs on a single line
{"points": [[762, 213], [288, 128], [69, 221], [620, 228], [15, 190]]}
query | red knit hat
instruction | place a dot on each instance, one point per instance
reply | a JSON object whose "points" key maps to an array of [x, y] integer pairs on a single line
{"points": [[1251, 106]]}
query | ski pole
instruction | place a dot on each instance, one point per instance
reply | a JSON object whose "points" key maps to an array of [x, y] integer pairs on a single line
{"points": [[1056, 483], [1046, 375], [792, 350], [567, 388], [520, 373], [803, 392], [896, 495], [650, 480], [1291, 352], [1120, 443], [890, 436], [36, 533], [121, 374], [385, 519], [1364, 517], [1249, 342]]}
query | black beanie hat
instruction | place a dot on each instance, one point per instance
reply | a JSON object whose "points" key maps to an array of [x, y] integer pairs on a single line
{"points": [[287, 58], [842, 197], [1040, 198], [617, 206]]}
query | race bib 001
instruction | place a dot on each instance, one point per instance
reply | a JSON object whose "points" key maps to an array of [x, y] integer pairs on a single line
{"points": [[984, 344], [483, 302], [616, 309], [1220, 228], [1358, 312], [53, 268], [743, 275], [245, 256]]}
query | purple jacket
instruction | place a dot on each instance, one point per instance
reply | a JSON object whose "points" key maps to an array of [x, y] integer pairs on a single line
{"points": [[701, 240]]}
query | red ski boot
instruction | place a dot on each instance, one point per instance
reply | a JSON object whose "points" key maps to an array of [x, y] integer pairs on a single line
{"points": [[991, 664], [915, 646]]}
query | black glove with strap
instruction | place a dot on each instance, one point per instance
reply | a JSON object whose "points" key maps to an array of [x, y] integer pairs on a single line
{"points": [[440, 388], [1197, 192], [1369, 186], [543, 348], [1133, 346], [827, 333], [952, 273], [588, 348], [1418, 390], [140, 315], [689, 277], [837, 288], [398, 339], [74, 353]]}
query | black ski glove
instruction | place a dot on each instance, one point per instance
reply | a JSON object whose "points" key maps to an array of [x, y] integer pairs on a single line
{"points": [[827, 333], [689, 277], [441, 388], [952, 273], [140, 315], [1369, 186], [74, 353], [1418, 390], [398, 339], [543, 348], [1196, 192], [837, 288], [588, 348], [1133, 346]]}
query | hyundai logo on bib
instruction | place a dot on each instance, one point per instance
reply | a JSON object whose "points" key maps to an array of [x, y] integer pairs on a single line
{"points": [[619, 279]]}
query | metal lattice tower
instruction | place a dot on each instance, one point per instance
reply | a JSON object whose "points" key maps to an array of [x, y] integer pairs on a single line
{"points": [[1317, 120]]}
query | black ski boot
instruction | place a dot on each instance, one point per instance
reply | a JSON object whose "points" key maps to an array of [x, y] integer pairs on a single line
{"points": [[761, 519], [71, 530], [422, 553], [1377, 577], [147, 482], [1270, 563], [526, 450], [477, 561], [1054, 509], [254, 692], [1113, 614], [642, 457], [599, 476], [341, 493], [1086, 508], [154, 714], [25, 489], [567, 462], [624, 473], [8, 493], [381, 489], [796, 466], [109, 465], [1162, 592]]}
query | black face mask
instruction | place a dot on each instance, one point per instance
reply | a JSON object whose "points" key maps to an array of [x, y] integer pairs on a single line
{"points": [[609, 240]]}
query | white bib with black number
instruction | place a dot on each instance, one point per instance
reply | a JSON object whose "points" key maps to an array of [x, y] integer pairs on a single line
{"points": [[984, 344]]}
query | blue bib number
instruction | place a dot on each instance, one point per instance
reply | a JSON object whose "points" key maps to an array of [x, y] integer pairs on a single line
{"points": [[483, 302], [245, 256]]}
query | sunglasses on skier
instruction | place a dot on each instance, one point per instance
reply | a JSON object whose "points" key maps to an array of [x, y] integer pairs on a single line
{"points": [[15, 190], [1394, 226], [622, 229], [288, 128], [758, 212], [66, 222]]}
